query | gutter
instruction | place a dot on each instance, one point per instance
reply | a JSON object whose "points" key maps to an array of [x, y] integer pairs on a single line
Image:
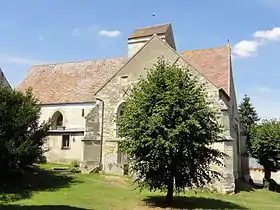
{"points": [[101, 132]]}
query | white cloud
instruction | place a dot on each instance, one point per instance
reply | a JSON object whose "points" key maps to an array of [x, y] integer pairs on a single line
{"points": [[272, 35], [245, 48], [76, 32], [248, 48], [110, 33]]}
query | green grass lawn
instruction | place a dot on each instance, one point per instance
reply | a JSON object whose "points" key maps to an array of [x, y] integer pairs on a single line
{"points": [[48, 191]]}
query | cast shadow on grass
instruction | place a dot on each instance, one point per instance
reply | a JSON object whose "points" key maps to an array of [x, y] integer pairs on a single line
{"points": [[181, 202], [251, 186], [247, 187], [31, 181], [43, 207]]}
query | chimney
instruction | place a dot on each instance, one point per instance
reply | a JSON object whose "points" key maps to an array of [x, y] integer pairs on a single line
{"points": [[140, 36]]}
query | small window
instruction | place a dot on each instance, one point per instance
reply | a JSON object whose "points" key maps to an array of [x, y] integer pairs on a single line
{"points": [[65, 142], [83, 112]]}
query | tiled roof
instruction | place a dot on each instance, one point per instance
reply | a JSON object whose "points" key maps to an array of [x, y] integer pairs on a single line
{"points": [[78, 81], [70, 82], [149, 31], [213, 63]]}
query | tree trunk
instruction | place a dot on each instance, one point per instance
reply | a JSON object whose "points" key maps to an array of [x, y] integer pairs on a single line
{"points": [[170, 190], [267, 177], [267, 174]]}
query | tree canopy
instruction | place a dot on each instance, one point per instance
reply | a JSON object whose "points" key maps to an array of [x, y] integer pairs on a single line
{"points": [[168, 126], [21, 135], [265, 146], [248, 120]]}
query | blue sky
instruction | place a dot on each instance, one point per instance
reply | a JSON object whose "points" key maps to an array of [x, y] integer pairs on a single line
{"points": [[44, 31]]}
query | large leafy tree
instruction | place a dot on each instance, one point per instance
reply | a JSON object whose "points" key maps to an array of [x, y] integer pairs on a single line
{"points": [[168, 126], [248, 120], [21, 135], [266, 146]]}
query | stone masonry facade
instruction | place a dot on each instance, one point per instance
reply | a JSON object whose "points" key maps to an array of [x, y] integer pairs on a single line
{"points": [[97, 89]]}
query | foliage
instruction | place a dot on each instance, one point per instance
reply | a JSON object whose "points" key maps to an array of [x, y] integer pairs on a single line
{"points": [[167, 126], [266, 146], [248, 119], [74, 164], [21, 135]]}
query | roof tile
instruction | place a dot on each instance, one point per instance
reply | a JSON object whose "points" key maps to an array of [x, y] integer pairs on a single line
{"points": [[213, 63], [149, 31], [70, 82], [78, 81]]}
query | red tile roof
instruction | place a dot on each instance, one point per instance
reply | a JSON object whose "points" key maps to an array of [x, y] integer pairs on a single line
{"points": [[213, 63], [70, 82], [78, 81], [149, 31]]}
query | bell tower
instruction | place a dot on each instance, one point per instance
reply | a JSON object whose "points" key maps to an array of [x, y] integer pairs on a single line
{"points": [[140, 36]]}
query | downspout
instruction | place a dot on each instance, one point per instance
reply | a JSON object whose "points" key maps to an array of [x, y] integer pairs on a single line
{"points": [[101, 132]]}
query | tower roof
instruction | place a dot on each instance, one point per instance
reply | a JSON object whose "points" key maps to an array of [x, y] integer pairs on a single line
{"points": [[149, 31]]}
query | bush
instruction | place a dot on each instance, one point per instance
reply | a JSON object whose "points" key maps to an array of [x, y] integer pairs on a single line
{"points": [[21, 135], [74, 164], [75, 170]]}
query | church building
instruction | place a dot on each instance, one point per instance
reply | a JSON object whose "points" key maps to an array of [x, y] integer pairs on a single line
{"points": [[83, 99]]}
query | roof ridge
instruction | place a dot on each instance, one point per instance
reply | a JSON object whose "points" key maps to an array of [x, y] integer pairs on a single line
{"points": [[162, 24], [125, 63], [78, 61], [198, 70], [208, 48]]}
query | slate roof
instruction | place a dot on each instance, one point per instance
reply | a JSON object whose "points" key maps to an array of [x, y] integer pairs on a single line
{"points": [[78, 81], [149, 31]]}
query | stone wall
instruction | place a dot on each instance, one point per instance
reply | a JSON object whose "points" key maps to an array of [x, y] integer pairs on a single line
{"points": [[3, 79], [91, 157], [241, 162], [114, 92], [65, 156], [74, 122]]}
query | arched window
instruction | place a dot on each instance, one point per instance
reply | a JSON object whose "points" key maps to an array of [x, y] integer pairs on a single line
{"points": [[57, 121], [121, 158]]}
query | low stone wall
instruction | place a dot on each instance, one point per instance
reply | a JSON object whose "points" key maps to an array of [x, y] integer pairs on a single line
{"points": [[257, 175]]}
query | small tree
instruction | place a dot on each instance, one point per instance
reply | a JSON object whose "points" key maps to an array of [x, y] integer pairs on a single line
{"points": [[168, 127], [21, 135], [248, 120], [266, 147]]}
